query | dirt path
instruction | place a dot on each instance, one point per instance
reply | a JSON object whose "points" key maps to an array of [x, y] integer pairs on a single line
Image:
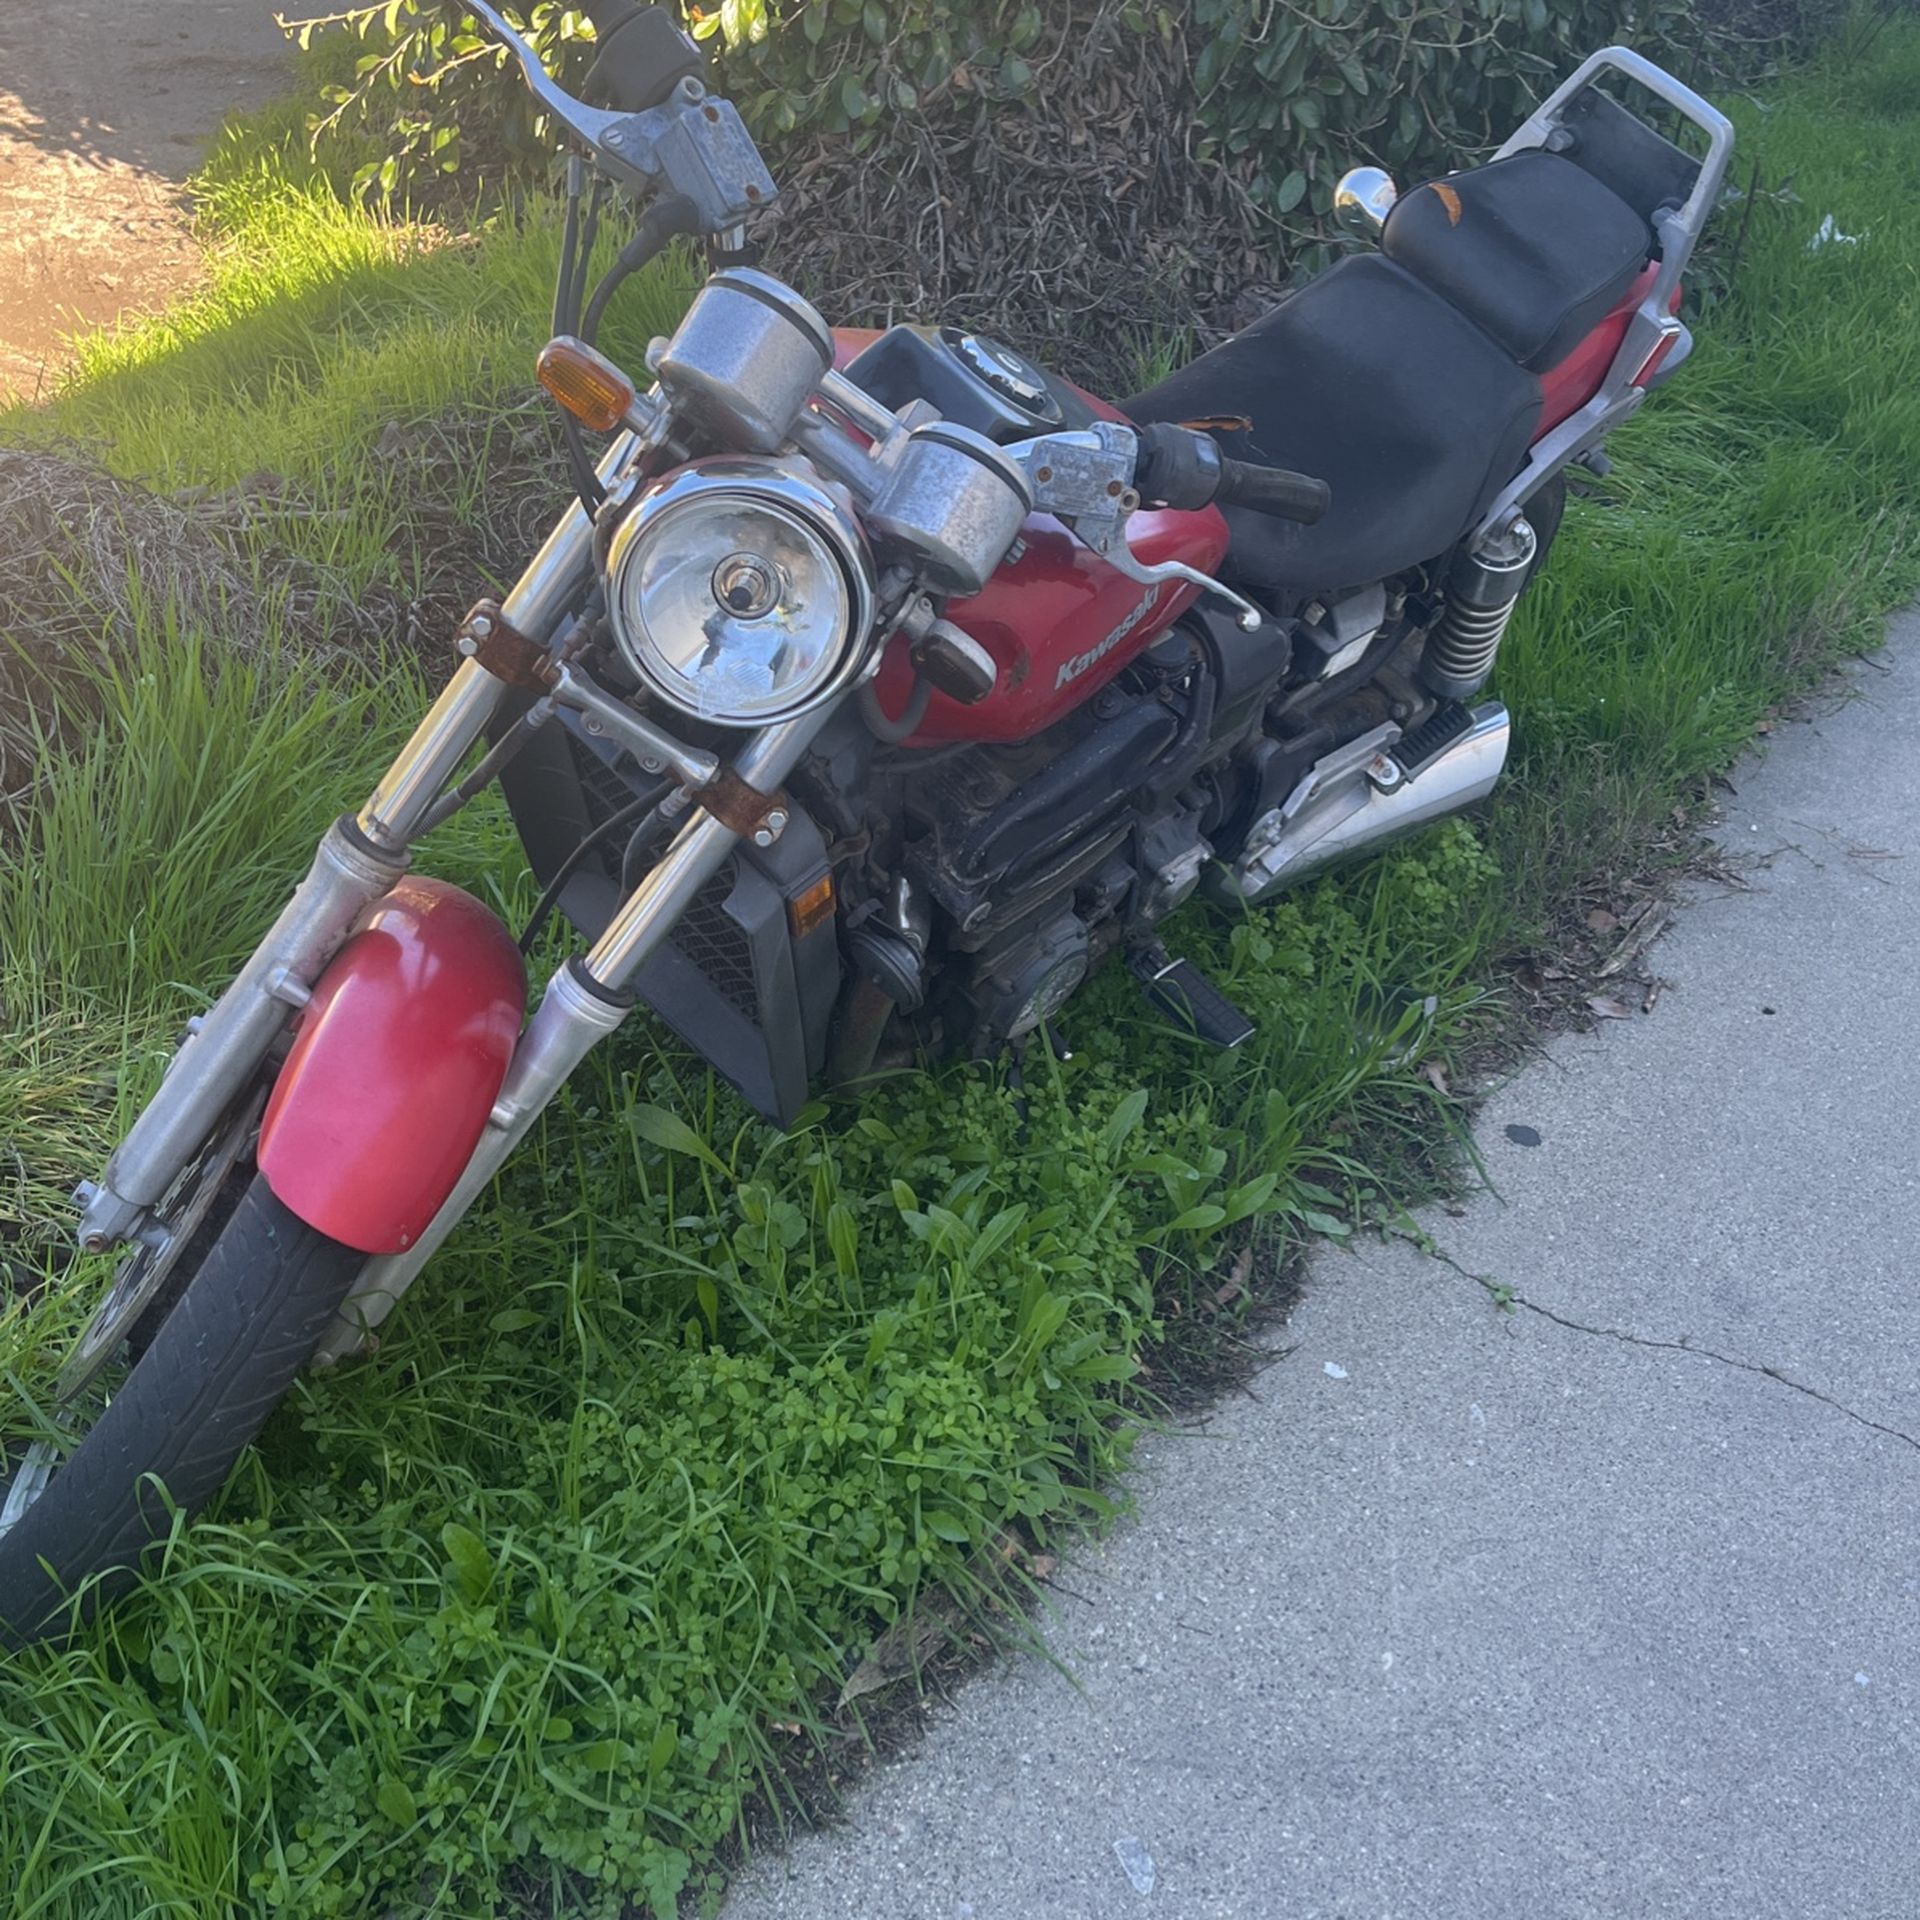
{"points": [[105, 107]]}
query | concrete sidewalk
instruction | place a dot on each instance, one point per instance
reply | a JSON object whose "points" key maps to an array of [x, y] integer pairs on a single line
{"points": [[1607, 1606]]}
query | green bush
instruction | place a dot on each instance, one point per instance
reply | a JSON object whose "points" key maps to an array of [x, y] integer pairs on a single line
{"points": [[428, 94], [1291, 91], [1100, 182], [1306, 93]]}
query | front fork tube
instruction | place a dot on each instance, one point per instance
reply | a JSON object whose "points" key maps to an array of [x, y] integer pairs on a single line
{"points": [[584, 1002], [224, 1048], [456, 720], [357, 862]]}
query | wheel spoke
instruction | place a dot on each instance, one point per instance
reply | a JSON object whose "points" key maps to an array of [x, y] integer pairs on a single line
{"points": [[41, 1434]]}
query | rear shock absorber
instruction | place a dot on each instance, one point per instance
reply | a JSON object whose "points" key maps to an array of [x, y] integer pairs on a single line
{"points": [[1482, 587]]}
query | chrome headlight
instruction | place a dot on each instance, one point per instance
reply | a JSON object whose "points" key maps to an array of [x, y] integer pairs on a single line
{"points": [[741, 591]]}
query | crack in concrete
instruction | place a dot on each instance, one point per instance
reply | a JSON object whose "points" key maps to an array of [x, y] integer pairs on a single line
{"points": [[1507, 1296], [1708, 1353]]}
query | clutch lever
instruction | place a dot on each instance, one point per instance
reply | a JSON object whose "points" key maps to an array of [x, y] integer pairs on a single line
{"points": [[689, 144]]}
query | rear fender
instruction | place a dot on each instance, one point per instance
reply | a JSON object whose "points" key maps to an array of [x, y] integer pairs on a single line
{"points": [[396, 1064]]}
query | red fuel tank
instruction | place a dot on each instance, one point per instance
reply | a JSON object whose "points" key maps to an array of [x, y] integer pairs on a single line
{"points": [[1058, 620], [1059, 623]]}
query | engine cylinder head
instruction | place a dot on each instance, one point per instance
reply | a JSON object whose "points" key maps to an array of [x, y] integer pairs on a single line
{"points": [[1481, 590]]}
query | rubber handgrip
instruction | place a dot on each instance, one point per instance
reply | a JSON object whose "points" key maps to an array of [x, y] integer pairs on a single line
{"points": [[1273, 490], [642, 56], [607, 14]]}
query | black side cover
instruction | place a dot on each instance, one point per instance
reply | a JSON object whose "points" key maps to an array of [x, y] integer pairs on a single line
{"points": [[1365, 377], [1532, 248]]}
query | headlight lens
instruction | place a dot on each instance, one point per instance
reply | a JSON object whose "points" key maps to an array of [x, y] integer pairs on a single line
{"points": [[740, 591]]}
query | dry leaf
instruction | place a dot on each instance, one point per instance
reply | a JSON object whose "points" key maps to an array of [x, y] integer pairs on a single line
{"points": [[1601, 921], [1236, 1281], [1435, 1076], [899, 1651], [1605, 1009], [1645, 930]]}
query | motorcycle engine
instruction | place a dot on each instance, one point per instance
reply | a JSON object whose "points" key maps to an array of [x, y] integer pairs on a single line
{"points": [[1036, 858], [1020, 983]]}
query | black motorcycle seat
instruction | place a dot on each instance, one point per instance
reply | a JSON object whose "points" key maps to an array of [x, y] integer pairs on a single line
{"points": [[1366, 377], [1531, 248]]}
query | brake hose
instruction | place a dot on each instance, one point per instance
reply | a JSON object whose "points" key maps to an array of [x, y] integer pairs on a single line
{"points": [[566, 311], [670, 215], [627, 816]]}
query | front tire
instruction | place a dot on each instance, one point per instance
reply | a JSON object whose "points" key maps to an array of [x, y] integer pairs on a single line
{"points": [[220, 1362]]}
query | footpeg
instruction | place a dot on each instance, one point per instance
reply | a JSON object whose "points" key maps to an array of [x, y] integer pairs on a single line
{"points": [[1188, 998], [1445, 727]]}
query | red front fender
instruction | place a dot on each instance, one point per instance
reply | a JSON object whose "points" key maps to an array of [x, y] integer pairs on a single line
{"points": [[396, 1064]]}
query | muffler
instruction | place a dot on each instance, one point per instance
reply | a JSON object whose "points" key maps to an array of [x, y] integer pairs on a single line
{"points": [[1358, 798]]}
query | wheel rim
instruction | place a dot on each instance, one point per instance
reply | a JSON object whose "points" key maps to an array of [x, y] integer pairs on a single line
{"points": [[83, 1388]]}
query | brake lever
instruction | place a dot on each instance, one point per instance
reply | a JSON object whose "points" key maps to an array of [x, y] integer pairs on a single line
{"points": [[690, 143], [1085, 477], [1122, 559]]}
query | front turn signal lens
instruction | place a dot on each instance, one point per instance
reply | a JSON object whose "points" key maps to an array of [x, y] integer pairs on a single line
{"points": [[586, 383], [811, 908]]}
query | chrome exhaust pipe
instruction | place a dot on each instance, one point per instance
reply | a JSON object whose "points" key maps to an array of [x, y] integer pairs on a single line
{"points": [[1357, 799]]}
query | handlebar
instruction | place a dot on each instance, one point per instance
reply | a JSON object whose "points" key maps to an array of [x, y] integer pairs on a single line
{"points": [[685, 142], [1273, 490], [1181, 467]]}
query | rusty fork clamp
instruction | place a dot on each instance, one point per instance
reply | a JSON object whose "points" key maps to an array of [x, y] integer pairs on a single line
{"points": [[490, 640], [743, 809]]}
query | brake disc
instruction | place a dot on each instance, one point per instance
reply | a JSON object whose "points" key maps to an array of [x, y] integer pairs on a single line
{"points": [[149, 1264]]}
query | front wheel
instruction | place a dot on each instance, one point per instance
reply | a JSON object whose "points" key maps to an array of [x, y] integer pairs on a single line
{"points": [[219, 1362]]}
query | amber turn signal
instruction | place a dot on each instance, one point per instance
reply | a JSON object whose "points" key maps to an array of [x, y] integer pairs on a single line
{"points": [[586, 383], [812, 908]]}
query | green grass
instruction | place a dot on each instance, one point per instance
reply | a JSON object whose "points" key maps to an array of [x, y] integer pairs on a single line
{"points": [[690, 1410]]}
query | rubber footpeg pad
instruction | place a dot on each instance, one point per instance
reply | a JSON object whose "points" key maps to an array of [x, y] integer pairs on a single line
{"points": [[1188, 998]]}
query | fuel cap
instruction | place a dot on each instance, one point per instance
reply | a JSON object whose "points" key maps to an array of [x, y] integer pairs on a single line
{"points": [[1011, 376]]}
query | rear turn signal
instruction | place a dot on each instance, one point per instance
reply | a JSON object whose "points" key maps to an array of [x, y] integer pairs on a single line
{"points": [[586, 383], [811, 908]]}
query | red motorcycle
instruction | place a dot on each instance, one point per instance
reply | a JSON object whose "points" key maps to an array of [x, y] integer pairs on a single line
{"points": [[875, 686]]}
